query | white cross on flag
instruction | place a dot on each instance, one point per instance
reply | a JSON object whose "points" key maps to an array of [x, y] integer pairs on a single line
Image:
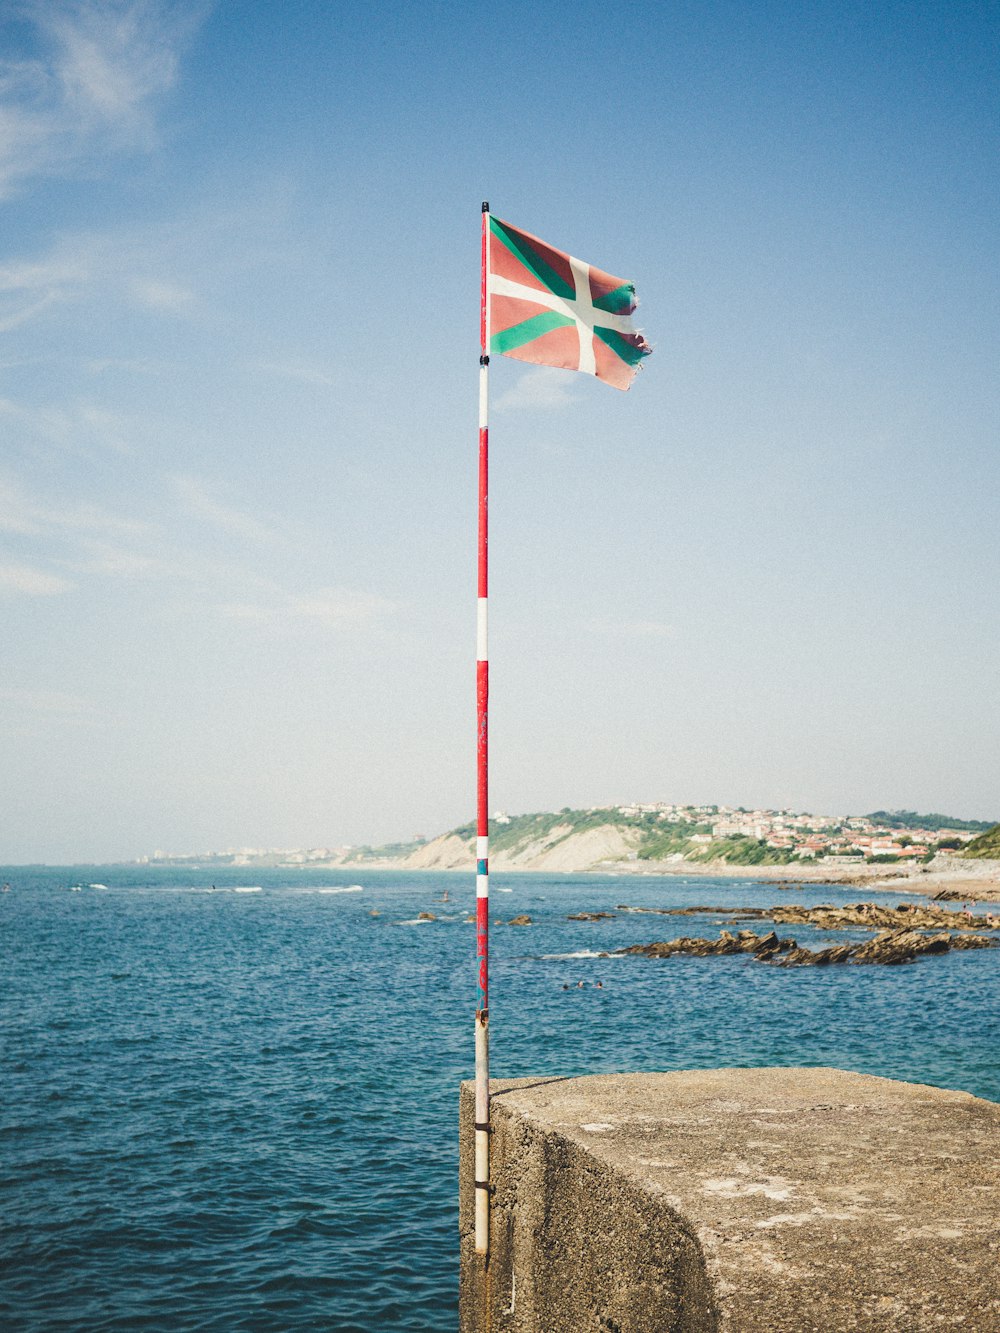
{"points": [[553, 310]]}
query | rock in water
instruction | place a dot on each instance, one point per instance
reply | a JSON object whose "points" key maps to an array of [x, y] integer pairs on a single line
{"points": [[869, 916], [889, 947]]}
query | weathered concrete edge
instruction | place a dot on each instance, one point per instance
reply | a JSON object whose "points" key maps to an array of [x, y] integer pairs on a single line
{"points": [[615, 1256], [921, 1220]]}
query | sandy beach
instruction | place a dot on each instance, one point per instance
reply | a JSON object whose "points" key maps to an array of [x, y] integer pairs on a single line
{"points": [[977, 881]]}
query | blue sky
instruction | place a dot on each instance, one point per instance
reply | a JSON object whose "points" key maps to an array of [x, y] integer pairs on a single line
{"points": [[238, 362]]}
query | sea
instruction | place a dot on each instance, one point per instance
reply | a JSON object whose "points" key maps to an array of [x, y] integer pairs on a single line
{"points": [[229, 1096]]}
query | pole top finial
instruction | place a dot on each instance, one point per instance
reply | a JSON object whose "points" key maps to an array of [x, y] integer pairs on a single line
{"points": [[486, 206]]}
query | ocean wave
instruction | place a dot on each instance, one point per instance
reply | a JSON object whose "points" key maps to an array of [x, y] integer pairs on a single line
{"points": [[580, 953], [349, 888]]}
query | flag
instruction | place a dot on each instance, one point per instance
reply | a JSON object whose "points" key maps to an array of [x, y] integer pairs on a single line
{"points": [[553, 310]]}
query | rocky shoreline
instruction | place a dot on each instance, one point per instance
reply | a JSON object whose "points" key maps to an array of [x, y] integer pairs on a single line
{"points": [[889, 947], [904, 933], [827, 916]]}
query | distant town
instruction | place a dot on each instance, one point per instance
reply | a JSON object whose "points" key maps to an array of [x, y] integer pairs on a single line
{"points": [[668, 832], [883, 835]]}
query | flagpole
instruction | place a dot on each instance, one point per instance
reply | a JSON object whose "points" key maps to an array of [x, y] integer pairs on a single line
{"points": [[482, 780]]}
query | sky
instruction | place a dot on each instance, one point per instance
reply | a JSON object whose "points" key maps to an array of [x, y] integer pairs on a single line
{"points": [[239, 288]]}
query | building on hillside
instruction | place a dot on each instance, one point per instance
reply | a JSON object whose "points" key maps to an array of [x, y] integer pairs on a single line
{"points": [[740, 828]]}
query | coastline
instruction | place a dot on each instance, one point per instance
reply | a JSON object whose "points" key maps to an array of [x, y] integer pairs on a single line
{"points": [[971, 880]]}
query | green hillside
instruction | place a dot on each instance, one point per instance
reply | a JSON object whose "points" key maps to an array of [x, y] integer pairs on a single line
{"points": [[987, 845], [907, 819], [519, 830], [657, 833], [657, 839]]}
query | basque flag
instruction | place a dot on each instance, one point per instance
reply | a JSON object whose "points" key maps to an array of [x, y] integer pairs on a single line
{"points": [[553, 310]]}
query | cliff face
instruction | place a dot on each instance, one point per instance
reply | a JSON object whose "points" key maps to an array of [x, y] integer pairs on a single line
{"points": [[447, 852], [561, 849]]}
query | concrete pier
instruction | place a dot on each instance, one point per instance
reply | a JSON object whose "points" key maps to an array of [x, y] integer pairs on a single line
{"points": [[736, 1201]]}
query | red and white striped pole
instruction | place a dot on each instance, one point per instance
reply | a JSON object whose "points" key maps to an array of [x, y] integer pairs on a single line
{"points": [[482, 782]]}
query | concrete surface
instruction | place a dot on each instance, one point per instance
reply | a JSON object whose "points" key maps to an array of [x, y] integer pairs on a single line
{"points": [[737, 1201]]}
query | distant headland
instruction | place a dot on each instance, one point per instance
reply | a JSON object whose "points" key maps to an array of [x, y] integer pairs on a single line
{"points": [[662, 838]]}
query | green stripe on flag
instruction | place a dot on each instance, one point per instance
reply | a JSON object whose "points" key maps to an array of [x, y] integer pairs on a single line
{"points": [[527, 331], [618, 302], [628, 352], [519, 247]]}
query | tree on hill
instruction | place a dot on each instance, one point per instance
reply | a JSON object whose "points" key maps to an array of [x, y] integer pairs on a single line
{"points": [[910, 819]]}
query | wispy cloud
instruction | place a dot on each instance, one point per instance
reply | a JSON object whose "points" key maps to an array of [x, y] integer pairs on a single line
{"points": [[78, 284], [26, 581], [28, 287], [146, 269], [87, 81], [83, 538], [200, 499], [80, 427], [116, 561], [133, 365], [196, 570], [543, 388], [25, 515], [332, 608], [159, 295], [161, 559], [111, 269]]}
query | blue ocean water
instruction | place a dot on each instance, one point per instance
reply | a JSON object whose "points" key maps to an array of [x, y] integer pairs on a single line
{"points": [[230, 1097]]}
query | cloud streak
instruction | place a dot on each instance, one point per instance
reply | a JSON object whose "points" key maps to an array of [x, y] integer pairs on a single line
{"points": [[330, 608], [23, 515], [203, 569], [198, 500], [26, 581], [544, 388], [88, 82], [28, 287]]}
